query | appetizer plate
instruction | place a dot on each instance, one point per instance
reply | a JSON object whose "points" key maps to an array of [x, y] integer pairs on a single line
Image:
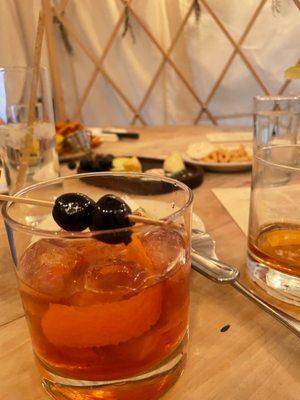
{"points": [[222, 167], [192, 179]]}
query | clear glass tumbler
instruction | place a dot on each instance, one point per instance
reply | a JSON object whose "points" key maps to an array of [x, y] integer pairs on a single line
{"points": [[15, 92], [274, 223], [276, 120], [107, 321]]}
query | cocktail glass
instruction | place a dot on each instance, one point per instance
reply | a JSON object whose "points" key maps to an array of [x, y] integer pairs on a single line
{"points": [[107, 321], [274, 222]]}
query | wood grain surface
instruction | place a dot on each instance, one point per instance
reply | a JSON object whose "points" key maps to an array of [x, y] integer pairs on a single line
{"points": [[255, 359]]}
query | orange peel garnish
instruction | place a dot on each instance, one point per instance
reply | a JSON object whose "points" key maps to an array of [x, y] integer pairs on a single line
{"points": [[135, 251], [105, 323]]}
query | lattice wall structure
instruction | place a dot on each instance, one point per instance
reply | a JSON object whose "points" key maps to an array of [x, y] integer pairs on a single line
{"points": [[58, 11]]}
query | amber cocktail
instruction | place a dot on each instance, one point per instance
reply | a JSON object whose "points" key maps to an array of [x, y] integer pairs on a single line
{"points": [[274, 223], [107, 320]]}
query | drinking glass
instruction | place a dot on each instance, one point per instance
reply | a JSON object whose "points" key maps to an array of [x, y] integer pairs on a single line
{"points": [[274, 222], [107, 321], [276, 120], [43, 163]]}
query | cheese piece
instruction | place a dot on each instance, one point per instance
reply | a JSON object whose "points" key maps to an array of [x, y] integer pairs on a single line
{"points": [[174, 163], [122, 164]]}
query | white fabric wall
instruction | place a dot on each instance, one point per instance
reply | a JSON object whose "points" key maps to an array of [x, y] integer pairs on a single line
{"points": [[201, 52]]}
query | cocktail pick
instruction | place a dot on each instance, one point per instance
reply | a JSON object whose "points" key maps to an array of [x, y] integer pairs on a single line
{"points": [[44, 203]]}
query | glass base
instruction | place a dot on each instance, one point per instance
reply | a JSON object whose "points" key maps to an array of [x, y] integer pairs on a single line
{"points": [[277, 284], [148, 386]]}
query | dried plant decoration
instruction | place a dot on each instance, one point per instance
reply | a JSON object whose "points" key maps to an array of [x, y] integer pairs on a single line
{"points": [[197, 9], [64, 35], [127, 24], [276, 6]]}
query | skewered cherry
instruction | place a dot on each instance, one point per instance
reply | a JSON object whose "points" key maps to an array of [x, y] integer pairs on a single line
{"points": [[71, 211], [111, 212]]}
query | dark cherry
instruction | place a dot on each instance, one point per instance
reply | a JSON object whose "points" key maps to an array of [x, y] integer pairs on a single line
{"points": [[72, 165], [71, 211], [111, 212], [87, 164], [103, 162]]}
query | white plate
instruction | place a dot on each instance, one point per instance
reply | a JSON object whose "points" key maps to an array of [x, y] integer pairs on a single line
{"points": [[222, 167], [206, 147]]}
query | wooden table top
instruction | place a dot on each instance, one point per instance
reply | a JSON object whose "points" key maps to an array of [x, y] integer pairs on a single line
{"points": [[256, 359]]}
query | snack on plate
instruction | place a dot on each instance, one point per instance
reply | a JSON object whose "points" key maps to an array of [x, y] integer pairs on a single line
{"points": [[173, 167], [209, 153], [227, 155], [59, 143], [126, 164], [64, 130], [156, 171], [198, 150], [95, 140], [107, 162], [174, 163]]}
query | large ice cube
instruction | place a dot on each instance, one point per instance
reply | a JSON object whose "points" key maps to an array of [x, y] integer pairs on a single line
{"points": [[165, 247], [116, 280], [51, 267], [112, 272]]}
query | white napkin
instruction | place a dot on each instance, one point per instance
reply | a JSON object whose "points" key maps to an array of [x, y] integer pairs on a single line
{"points": [[236, 201], [106, 137]]}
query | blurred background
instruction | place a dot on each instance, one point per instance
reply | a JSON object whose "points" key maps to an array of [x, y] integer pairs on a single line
{"points": [[160, 62]]}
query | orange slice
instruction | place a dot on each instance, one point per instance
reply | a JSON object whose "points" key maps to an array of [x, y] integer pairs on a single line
{"points": [[103, 324], [135, 251]]}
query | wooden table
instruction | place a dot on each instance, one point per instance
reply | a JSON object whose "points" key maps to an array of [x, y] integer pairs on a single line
{"points": [[256, 359]]}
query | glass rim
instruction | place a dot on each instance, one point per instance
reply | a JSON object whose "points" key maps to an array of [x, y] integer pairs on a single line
{"points": [[273, 163], [276, 97], [83, 235]]}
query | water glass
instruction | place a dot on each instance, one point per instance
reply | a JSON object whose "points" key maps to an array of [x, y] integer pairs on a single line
{"points": [[276, 120], [15, 92]]}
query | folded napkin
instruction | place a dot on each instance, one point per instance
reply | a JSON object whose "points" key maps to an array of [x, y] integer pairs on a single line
{"points": [[236, 201]]}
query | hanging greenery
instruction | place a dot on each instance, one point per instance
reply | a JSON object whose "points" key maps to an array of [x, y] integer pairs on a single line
{"points": [[64, 36], [197, 9], [127, 24], [276, 6]]}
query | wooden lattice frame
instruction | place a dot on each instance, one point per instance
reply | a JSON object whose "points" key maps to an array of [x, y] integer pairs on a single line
{"points": [[204, 112]]}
